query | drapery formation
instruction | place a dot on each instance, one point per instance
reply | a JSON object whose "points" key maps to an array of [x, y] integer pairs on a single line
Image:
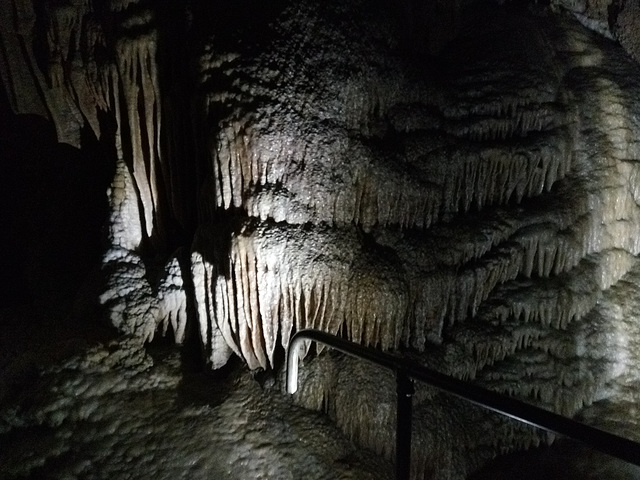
{"points": [[92, 67], [393, 213], [469, 196], [479, 211]]}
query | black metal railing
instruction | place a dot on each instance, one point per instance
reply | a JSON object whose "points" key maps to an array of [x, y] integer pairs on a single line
{"points": [[406, 370]]}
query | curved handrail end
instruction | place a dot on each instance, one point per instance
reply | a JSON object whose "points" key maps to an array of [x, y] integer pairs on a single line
{"points": [[292, 364]]}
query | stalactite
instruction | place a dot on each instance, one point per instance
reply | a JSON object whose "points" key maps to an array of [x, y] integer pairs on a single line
{"points": [[310, 278], [139, 87], [19, 85], [366, 188]]}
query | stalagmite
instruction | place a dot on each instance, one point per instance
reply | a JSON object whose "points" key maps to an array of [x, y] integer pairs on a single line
{"points": [[172, 299], [125, 229], [128, 297]]}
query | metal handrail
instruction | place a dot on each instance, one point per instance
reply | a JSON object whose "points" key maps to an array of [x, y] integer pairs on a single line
{"points": [[405, 370]]}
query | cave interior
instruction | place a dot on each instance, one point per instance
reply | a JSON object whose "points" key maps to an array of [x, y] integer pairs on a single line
{"points": [[186, 184]]}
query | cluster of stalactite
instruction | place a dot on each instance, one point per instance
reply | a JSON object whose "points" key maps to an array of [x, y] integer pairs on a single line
{"points": [[92, 66], [461, 194], [482, 221]]}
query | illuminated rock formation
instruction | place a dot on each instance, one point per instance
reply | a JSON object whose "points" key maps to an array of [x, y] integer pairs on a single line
{"points": [[480, 217], [468, 198]]}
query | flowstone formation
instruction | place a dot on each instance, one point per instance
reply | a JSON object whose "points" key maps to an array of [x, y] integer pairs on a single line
{"points": [[464, 192], [477, 211], [116, 412]]}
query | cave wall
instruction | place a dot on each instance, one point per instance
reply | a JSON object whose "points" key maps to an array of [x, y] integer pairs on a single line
{"points": [[458, 182]]}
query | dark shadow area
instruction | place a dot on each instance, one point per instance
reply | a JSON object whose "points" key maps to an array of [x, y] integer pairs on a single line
{"points": [[53, 206], [198, 385], [250, 20], [564, 460]]}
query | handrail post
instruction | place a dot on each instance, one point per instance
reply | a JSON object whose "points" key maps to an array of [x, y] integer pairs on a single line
{"points": [[404, 391]]}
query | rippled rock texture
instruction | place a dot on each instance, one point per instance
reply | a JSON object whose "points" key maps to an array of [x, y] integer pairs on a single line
{"points": [[464, 192]]}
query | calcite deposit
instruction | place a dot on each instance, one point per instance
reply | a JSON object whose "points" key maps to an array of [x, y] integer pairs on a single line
{"points": [[459, 184]]}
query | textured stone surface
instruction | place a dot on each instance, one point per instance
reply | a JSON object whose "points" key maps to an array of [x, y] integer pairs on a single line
{"points": [[463, 188], [113, 412]]}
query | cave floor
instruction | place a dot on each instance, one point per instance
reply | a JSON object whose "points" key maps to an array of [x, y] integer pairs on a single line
{"points": [[119, 411]]}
